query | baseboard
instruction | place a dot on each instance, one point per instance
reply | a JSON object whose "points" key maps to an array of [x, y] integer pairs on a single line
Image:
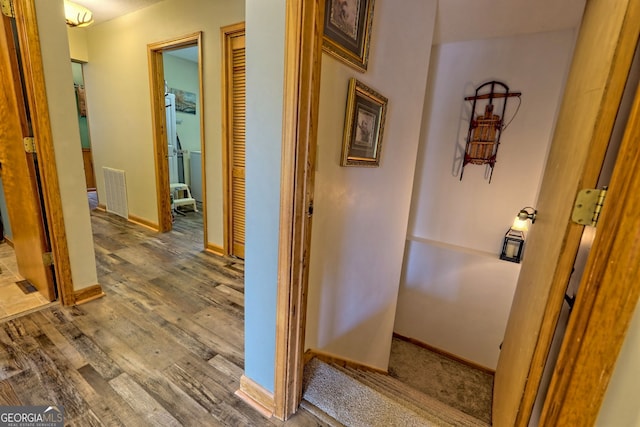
{"points": [[446, 354], [256, 396], [87, 294], [101, 207], [339, 360], [215, 249], [144, 222], [8, 241]]}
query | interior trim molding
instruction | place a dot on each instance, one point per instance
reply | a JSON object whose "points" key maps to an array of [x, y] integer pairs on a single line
{"points": [[143, 222], [341, 361], [87, 294], [215, 249], [303, 58], [256, 396]]}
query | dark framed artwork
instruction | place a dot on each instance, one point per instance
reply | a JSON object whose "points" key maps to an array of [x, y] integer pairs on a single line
{"points": [[363, 126], [347, 31]]}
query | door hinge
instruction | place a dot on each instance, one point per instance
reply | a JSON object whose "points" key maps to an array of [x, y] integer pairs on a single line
{"points": [[7, 8], [588, 205], [29, 144], [47, 259]]}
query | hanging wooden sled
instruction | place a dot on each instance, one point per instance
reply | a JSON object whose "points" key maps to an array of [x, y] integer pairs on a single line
{"points": [[485, 130]]}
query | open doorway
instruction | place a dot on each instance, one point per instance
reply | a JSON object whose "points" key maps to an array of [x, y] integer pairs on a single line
{"points": [[176, 82], [27, 278], [184, 148]]}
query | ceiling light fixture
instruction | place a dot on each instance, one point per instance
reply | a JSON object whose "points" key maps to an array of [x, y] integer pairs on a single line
{"points": [[77, 15]]}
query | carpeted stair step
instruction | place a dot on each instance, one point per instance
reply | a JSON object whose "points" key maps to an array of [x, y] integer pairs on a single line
{"points": [[356, 398], [394, 388]]}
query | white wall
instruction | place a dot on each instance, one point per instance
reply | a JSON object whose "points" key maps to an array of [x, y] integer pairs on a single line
{"points": [[78, 44], [456, 294], [66, 141], [183, 74], [360, 214], [620, 405], [119, 101]]}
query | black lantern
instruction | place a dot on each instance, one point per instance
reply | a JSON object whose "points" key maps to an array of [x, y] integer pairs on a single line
{"points": [[513, 246]]}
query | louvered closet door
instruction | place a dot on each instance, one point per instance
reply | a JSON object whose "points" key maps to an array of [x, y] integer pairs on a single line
{"points": [[237, 148]]}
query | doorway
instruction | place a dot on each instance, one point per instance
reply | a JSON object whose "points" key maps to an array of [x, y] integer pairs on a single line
{"points": [[28, 262], [85, 139], [178, 121]]}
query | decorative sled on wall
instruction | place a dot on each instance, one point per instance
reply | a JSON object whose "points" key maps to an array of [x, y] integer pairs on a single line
{"points": [[485, 130]]}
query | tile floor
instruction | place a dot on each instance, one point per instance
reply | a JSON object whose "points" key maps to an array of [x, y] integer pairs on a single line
{"points": [[13, 300]]}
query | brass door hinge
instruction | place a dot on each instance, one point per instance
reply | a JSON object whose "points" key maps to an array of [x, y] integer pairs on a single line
{"points": [[29, 144], [588, 205], [47, 259], [7, 8]]}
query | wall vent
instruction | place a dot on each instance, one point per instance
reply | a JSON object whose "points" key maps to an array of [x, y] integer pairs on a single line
{"points": [[116, 189]]}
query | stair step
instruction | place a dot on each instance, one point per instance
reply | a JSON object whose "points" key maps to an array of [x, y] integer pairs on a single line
{"points": [[356, 397]]}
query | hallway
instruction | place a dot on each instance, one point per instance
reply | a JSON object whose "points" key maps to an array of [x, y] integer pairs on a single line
{"points": [[164, 347]]}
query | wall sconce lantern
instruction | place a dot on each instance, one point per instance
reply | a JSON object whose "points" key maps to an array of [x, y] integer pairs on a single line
{"points": [[77, 15], [513, 245]]}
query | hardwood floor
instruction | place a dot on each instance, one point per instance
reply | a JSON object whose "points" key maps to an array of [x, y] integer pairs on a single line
{"points": [[164, 347]]}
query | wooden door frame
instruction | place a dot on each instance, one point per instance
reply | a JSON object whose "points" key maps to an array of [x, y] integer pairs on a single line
{"points": [[226, 33], [617, 49], [302, 69], [158, 120], [607, 299], [303, 56], [33, 70]]}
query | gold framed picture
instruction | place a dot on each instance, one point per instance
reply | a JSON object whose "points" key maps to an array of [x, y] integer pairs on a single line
{"points": [[363, 126], [347, 31]]}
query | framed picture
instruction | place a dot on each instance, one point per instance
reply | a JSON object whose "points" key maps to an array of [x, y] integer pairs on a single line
{"points": [[347, 31], [363, 126], [185, 101]]}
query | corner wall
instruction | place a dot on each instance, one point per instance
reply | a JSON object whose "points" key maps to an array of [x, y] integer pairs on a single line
{"points": [[455, 292], [265, 37], [360, 214]]}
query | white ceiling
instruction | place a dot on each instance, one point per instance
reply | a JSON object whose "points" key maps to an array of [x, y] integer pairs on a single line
{"points": [[105, 10], [188, 53], [457, 20]]}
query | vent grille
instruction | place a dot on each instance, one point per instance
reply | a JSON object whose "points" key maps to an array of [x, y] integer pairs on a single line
{"points": [[116, 189]]}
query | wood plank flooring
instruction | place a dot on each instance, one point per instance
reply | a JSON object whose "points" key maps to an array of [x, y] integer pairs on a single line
{"points": [[163, 348]]}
